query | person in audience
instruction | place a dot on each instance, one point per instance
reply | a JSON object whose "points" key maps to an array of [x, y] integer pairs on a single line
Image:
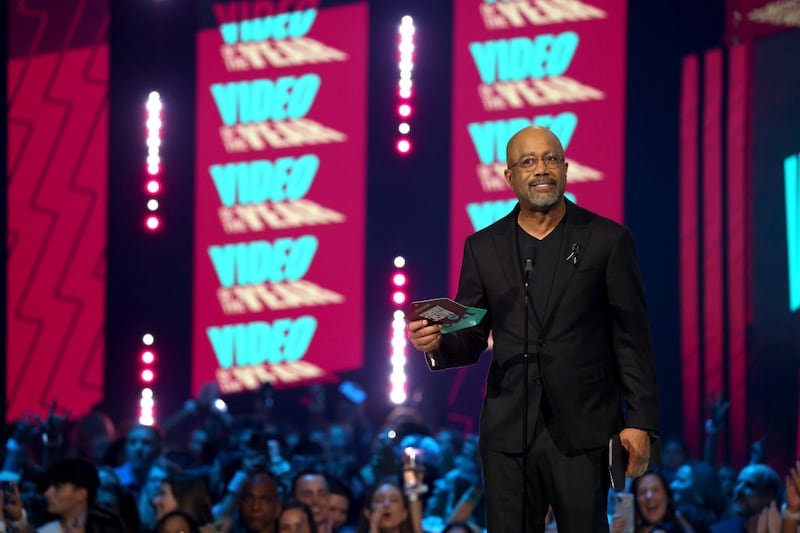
{"points": [[177, 522], [223, 469], [311, 488], [388, 510], [341, 458], [339, 506], [654, 508], [674, 453], [697, 492], [115, 499], [159, 471], [32, 485], [91, 437], [70, 496], [73, 488], [458, 495], [296, 517], [757, 486], [308, 455], [458, 527], [727, 482], [259, 505], [450, 443], [143, 445], [188, 493]]}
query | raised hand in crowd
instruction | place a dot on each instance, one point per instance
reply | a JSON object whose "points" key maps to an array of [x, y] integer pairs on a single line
{"points": [[25, 428], [791, 509], [758, 451], [717, 412], [12, 502], [769, 520], [52, 429], [716, 419], [18, 455]]}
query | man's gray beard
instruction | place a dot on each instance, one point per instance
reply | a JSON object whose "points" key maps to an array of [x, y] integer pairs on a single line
{"points": [[544, 201]]}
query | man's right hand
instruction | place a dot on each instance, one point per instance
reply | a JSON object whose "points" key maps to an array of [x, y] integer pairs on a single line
{"points": [[424, 337]]}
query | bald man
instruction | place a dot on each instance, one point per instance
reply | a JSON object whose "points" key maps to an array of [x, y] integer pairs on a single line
{"points": [[260, 504], [589, 358]]}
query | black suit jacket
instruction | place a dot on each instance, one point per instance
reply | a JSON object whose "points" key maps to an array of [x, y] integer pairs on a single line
{"points": [[591, 351]]}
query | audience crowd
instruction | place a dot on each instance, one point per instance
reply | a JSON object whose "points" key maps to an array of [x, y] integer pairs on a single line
{"points": [[207, 470]]}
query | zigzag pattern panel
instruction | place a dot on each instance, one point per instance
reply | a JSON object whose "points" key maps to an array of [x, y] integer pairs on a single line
{"points": [[57, 202]]}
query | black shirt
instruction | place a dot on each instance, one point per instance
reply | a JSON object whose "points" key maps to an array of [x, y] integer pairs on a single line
{"points": [[545, 253]]}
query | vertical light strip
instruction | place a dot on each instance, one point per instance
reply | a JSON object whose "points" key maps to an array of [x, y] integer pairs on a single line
{"points": [[713, 259], [797, 440], [791, 176], [405, 64], [688, 245], [147, 401], [738, 174], [153, 141], [398, 392]]}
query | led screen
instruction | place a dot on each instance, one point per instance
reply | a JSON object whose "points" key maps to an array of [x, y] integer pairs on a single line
{"points": [[280, 194]]}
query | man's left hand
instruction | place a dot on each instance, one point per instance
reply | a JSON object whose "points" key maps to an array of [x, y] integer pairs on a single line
{"points": [[637, 442]]}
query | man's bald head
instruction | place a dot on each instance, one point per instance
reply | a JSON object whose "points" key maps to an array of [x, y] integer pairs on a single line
{"points": [[515, 145]]}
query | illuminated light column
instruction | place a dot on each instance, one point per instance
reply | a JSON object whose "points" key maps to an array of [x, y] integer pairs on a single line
{"points": [[405, 64], [152, 222], [153, 141], [791, 170], [147, 403], [398, 379]]}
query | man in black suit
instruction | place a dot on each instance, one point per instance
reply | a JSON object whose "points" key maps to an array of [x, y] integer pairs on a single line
{"points": [[589, 359]]}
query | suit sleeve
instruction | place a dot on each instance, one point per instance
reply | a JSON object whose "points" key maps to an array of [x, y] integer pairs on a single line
{"points": [[464, 347], [631, 336]]}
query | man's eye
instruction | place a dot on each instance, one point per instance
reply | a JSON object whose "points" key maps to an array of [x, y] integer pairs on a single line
{"points": [[528, 161]]}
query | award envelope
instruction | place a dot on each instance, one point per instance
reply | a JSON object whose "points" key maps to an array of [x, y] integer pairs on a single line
{"points": [[451, 314]]}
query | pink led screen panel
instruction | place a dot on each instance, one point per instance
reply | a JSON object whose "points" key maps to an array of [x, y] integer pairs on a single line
{"points": [[280, 195]]}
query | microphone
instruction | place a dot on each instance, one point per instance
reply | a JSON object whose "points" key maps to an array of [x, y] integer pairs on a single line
{"points": [[529, 266], [528, 272]]}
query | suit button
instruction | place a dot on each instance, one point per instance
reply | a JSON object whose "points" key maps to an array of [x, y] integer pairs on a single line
{"points": [[538, 380], [540, 342]]}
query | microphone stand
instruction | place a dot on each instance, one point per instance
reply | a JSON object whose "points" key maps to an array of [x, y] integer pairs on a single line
{"points": [[528, 272]]}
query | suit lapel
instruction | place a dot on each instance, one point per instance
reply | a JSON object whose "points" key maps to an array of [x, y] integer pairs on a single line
{"points": [[509, 262], [504, 241]]}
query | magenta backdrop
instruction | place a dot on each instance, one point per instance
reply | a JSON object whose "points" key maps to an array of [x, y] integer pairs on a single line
{"points": [[57, 183], [330, 291]]}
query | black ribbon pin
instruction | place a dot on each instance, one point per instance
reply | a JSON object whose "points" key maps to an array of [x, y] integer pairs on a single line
{"points": [[573, 256]]}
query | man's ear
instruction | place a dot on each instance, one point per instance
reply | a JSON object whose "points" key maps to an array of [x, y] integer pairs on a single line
{"points": [[84, 494]]}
